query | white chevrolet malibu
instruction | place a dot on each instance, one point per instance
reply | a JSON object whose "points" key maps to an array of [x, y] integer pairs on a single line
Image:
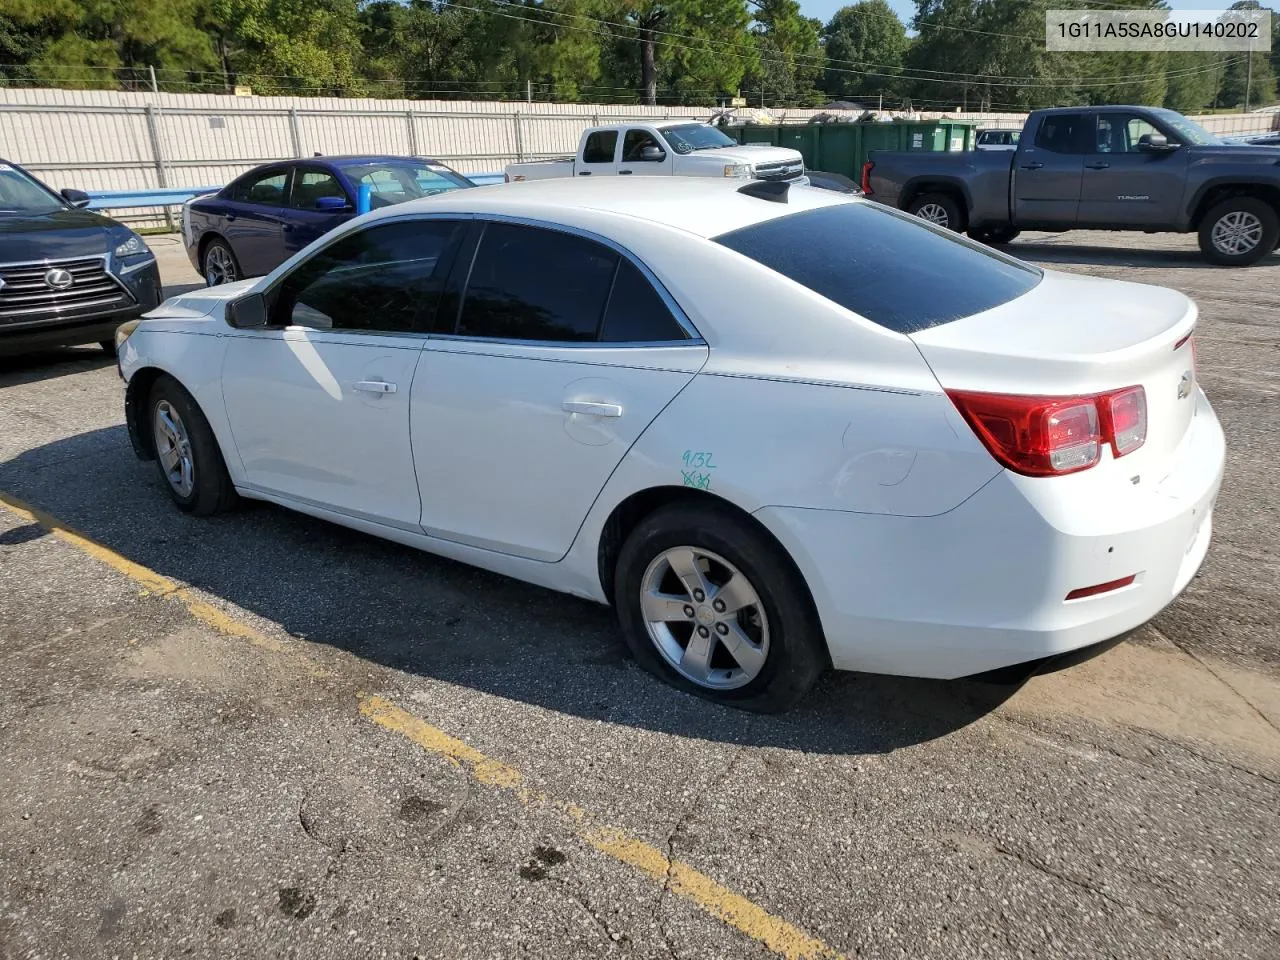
{"points": [[778, 428]]}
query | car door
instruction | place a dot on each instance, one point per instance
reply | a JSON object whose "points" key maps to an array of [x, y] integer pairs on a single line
{"points": [[599, 154], [318, 401], [633, 162], [1047, 172], [313, 211], [253, 222], [564, 351], [1124, 185]]}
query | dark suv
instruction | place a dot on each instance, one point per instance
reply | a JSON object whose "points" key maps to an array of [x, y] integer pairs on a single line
{"points": [[67, 275]]}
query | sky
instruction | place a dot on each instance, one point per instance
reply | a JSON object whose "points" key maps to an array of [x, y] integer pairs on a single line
{"points": [[823, 9]]}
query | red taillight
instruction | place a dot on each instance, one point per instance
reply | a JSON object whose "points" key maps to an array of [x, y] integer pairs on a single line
{"points": [[866, 177], [1051, 436], [1125, 419], [1081, 592]]}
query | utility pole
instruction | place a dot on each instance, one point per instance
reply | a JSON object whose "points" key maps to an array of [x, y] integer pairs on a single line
{"points": [[880, 108], [1248, 77], [528, 91], [152, 71]]}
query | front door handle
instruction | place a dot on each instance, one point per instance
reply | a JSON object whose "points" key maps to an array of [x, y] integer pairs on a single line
{"points": [[593, 409], [584, 173], [624, 173], [1033, 165], [1100, 165], [374, 386]]}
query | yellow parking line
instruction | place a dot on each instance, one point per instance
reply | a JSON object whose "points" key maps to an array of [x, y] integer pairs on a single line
{"points": [[679, 878], [148, 579]]}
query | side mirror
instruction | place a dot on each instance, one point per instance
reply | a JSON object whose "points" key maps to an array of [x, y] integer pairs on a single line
{"points": [[77, 198], [1155, 143], [332, 204], [248, 313], [652, 154]]}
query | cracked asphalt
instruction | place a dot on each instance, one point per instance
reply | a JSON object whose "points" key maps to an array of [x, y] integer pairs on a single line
{"points": [[260, 735]]}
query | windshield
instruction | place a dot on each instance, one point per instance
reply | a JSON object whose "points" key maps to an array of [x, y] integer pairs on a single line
{"points": [[22, 194], [689, 137], [1188, 131], [391, 181], [891, 268]]}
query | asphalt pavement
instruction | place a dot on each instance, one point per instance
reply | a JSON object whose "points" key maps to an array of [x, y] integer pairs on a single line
{"points": [[261, 735]]}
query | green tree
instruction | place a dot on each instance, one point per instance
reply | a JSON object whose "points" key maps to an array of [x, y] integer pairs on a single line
{"points": [[788, 51], [869, 38]]}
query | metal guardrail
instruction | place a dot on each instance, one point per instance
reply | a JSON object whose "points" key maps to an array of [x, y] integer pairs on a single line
{"points": [[176, 196]]}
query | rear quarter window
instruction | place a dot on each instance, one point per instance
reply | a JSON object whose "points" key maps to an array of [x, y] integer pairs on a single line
{"points": [[886, 266]]}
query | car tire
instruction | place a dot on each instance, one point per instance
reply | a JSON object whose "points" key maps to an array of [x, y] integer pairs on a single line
{"points": [[940, 209], [776, 629], [993, 235], [1239, 231], [109, 346], [187, 453], [219, 265]]}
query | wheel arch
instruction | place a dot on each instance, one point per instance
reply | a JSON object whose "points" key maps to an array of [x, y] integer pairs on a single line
{"points": [[633, 509], [917, 187], [206, 238], [135, 404], [1215, 191]]}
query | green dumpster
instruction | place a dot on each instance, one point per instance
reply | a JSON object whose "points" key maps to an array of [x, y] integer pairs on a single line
{"points": [[843, 147]]}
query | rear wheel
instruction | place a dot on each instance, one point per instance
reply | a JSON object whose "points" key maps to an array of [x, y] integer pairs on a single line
{"points": [[220, 264], [709, 602], [993, 235], [187, 452], [1239, 231], [109, 346], [940, 209]]}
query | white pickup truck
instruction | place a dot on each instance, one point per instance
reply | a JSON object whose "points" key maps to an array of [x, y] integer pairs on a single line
{"points": [[680, 148]]}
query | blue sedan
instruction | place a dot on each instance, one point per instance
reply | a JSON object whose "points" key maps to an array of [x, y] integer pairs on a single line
{"points": [[265, 216]]}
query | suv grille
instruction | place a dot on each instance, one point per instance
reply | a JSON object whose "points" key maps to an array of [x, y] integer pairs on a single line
{"points": [[782, 170], [27, 293]]}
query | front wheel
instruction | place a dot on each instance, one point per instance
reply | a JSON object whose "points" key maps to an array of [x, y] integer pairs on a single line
{"points": [[993, 235], [220, 264], [710, 603], [940, 209], [1239, 231], [187, 452]]}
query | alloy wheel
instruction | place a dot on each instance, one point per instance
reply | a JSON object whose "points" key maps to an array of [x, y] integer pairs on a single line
{"points": [[173, 448], [705, 618], [219, 266], [1237, 233], [935, 213]]}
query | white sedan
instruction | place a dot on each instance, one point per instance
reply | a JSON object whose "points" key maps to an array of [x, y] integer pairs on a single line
{"points": [[778, 428]]}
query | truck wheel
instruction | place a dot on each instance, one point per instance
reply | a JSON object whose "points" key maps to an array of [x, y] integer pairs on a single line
{"points": [[939, 209], [994, 235], [1239, 231]]}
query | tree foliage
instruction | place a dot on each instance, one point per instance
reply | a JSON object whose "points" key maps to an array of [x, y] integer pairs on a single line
{"points": [[979, 54]]}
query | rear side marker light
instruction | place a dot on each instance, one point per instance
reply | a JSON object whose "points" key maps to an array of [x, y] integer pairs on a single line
{"points": [[1081, 592], [866, 177], [1052, 436]]}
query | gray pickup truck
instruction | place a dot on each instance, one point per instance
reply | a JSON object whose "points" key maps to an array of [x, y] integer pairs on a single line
{"points": [[1097, 168]]}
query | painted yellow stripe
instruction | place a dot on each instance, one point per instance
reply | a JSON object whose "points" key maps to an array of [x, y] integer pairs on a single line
{"points": [[148, 579], [680, 878]]}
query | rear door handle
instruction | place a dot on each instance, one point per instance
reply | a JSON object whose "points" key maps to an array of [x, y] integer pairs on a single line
{"points": [[374, 386], [624, 173], [1033, 165], [1097, 166], [593, 409], [584, 173]]}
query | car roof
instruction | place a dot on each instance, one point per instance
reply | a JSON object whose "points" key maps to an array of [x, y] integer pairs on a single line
{"points": [[1106, 108], [367, 158], [701, 206]]}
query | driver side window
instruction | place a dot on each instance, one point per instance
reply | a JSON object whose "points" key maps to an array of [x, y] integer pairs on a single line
{"points": [[633, 145], [383, 279]]}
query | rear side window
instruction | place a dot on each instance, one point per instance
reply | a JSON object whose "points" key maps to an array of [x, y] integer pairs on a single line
{"points": [[636, 313], [1064, 133], [883, 265], [264, 188], [532, 284], [599, 147]]}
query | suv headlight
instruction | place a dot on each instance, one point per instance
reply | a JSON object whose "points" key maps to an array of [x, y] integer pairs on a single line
{"points": [[133, 247], [739, 170]]}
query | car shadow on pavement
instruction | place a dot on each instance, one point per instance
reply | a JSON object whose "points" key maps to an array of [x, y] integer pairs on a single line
{"points": [[1066, 252], [413, 612], [52, 362]]}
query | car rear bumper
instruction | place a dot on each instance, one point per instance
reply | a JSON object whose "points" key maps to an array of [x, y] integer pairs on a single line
{"points": [[985, 585]]}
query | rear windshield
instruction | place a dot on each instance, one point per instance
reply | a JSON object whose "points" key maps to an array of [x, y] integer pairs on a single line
{"points": [[889, 267]]}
